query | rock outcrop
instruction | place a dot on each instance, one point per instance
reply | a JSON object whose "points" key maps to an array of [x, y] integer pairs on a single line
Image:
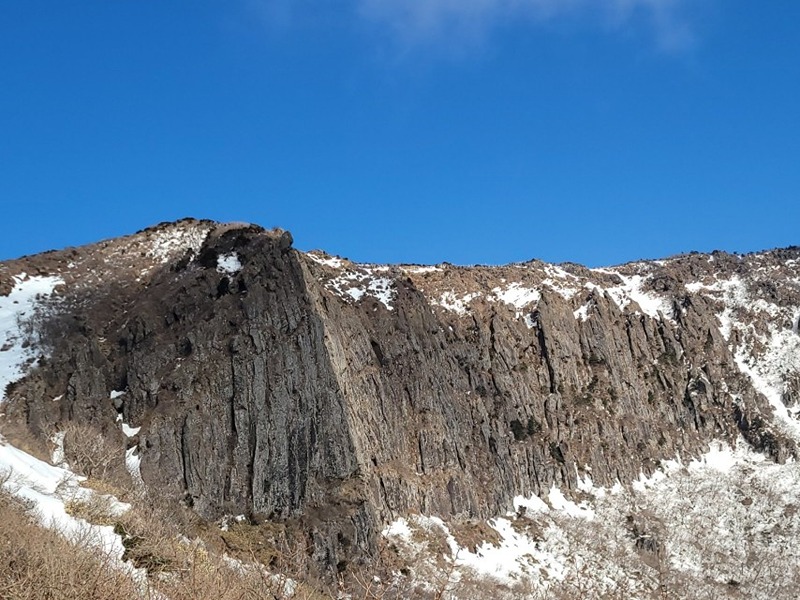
{"points": [[308, 389]]}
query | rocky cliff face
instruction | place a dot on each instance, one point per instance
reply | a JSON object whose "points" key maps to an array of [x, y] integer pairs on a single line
{"points": [[339, 396]]}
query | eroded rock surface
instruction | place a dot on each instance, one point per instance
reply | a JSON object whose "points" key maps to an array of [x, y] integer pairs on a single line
{"points": [[338, 396]]}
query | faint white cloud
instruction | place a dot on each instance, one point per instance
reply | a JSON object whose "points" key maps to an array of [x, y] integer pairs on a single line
{"points": [[668, 20], [417, 22], [275, 13]]}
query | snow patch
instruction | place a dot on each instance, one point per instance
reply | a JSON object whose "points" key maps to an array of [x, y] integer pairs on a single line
{"points": [[329, 261], [557, 272], [517, 295], [58, 457], [532, 504], [420, 270], [768, 375], [586, 485], [47, 488], [768, 349], [17, 354], [732, 291], [130, 431], [460, 305], [355, 285], [721, 457], [582, 313], [133, 465], [565, 292], [229, 264], [515, 558], [559, 502], [630, 290], [399, 529], [509, 561], [166, 244], [381, 289], [557, 281], [705, 519]]}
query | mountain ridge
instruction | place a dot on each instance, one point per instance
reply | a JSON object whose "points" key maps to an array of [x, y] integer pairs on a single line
{"points": [[161, 225], [338, 397]]}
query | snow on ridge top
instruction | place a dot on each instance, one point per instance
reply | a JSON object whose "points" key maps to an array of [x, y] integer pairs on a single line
{"points": [[556, 272], [420, 269], [229, 264], [16, 310], [166, 243], [356, 284], [630, 290], [517, 295], [559, 280], [329, 261], [565, 292]]}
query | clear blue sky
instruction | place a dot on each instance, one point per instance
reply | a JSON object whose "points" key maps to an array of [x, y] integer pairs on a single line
{"points": [[406, 130]]}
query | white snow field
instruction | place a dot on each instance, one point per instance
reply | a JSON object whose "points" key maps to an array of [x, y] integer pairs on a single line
{"points": [[17, 353]]}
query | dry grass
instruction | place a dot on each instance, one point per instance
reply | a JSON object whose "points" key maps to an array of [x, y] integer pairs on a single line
{"points": [[38, 564], [230, 567], [248, 561], [96, 509], [471, 534]]}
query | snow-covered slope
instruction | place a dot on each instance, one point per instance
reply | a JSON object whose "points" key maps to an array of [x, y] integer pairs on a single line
{"points": [[17, 311], [48, 489], [722, 526]]}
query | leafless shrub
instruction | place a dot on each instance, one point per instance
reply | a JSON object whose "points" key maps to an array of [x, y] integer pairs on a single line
{"points": [[90, 453]]}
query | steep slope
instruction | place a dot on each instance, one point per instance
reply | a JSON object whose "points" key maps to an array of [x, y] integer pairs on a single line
{"points": [[337, 397]]}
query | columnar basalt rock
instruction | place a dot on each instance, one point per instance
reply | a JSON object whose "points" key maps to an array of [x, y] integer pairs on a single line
{"points": [[301, 387]]}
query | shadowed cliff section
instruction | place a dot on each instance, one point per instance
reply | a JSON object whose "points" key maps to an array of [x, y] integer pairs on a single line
{"points": [[263, 386]]}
